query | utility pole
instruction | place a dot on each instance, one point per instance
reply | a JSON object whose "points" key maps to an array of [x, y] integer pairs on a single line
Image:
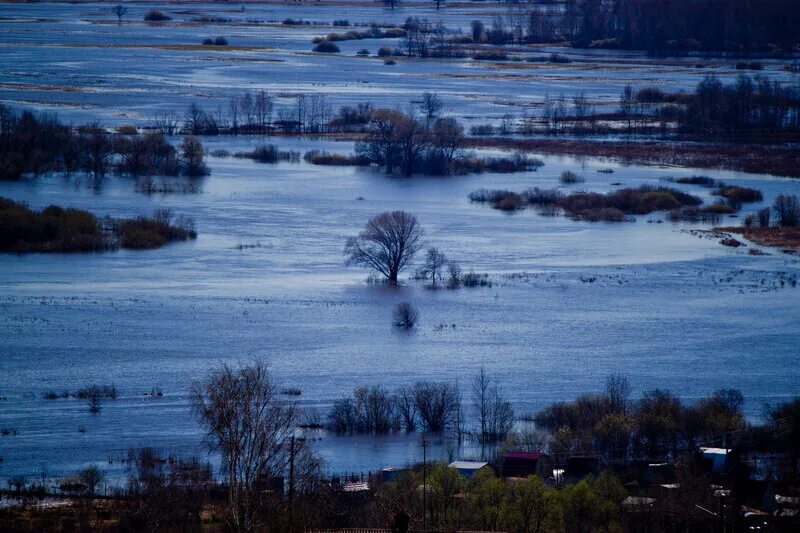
{"points": [[291, 486], [424, 481]]}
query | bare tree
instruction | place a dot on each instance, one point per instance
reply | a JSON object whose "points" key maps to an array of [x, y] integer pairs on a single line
{"points": [[627, 105], [91, 477], [166, 123], [438, 405], [406, 407], [120, 11], [411, 141], [480, 396], [263, 110], [387, 244], [495, 414], [431, 106], [194, 119], [453, 274], [447, 139], [434, 267], [251, 427], [247, 108], [233, 113], [618, 391], [787, 210], [478, 30], [192, 156], [404, 315], [381, 144]]}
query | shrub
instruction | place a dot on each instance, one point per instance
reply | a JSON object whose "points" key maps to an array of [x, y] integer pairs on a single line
{"points": [[53, 229], [157, 230], [703, 181], [510, 202], [650, 95], [657, 201], [787, 210], [495, 55], [155, 15], [739, 195], [602, 214], [327, 47], [568, 178], [537, 196], [692, 214], [559, 58], [208, 42], [341, 22], [763, 217], [269, 153], [221, 41], [363, 52], [472, 279], [97, 391], [754, 65], [482, 129], [717, 209], [384, 51], [316, 157], [405, 315], [127, 129]]}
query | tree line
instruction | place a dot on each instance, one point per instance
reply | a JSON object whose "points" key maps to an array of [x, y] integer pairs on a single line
{"points": [[659, 27], [270, 478], [38, 143]]}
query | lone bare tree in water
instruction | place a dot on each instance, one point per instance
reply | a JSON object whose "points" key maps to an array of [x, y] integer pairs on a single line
{"points": [[251, 427], [387, 244]]}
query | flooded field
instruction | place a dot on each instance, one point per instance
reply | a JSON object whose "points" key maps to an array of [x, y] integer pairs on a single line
{"points": [[570, 302], [76, 59]]}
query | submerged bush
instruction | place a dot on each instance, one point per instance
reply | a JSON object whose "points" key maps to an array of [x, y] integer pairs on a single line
{"points": [[327, 47], [593, 206], [154, 15], [405, 316], [317, 157], [269, 153], [703, 181], [157, 230], [738, 195], [53, 229], [602, 214], [568, 178]]}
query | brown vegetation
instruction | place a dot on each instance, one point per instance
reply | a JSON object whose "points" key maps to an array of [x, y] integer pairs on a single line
{"points": [[784, 238], [56, 229], [592, 206], [780, 160]]}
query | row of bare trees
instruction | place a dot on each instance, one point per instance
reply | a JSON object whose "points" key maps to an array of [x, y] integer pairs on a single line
{"points": [[31, 143], [250, 113]]}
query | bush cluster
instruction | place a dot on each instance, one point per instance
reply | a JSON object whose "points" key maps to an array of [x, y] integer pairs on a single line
{"points": [[56, 229], [592, 206]]}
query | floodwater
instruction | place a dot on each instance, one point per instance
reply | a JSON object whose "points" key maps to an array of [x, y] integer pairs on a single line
{"points": [[570, 302], [76, 59]]}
